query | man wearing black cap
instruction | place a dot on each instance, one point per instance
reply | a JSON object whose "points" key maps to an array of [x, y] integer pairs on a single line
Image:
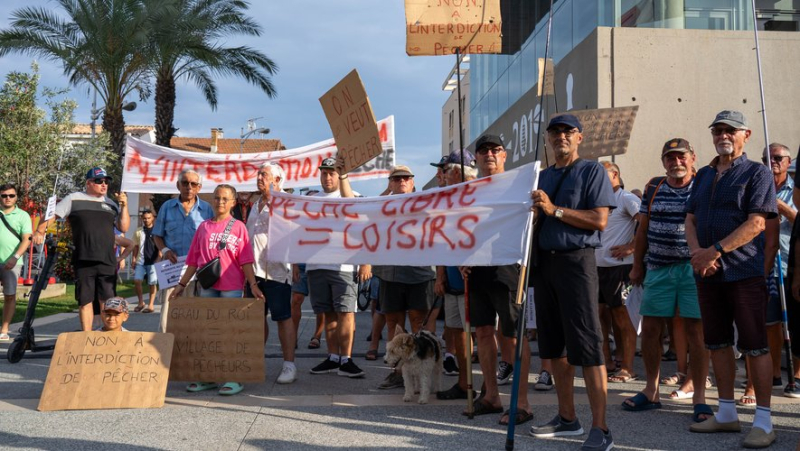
{"points": [[492, 294], [731, 202], [440, 181], [92, 216], [573, 203]]}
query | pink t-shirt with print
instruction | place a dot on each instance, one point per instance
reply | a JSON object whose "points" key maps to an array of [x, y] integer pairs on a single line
{"points": [[238, 252]]}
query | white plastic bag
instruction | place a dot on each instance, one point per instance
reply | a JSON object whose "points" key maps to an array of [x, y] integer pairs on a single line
{"points": [[633, 303]]}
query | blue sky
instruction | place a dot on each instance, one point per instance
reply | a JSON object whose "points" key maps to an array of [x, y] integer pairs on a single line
{"points": [[315, 43]]}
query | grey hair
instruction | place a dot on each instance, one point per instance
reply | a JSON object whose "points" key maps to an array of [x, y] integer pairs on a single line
{"points": [[277, 172], [780, 146], [469, 171], [190, 171]]}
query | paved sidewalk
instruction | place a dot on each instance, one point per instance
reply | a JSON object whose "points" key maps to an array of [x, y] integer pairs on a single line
{"points": [[331, 412]]}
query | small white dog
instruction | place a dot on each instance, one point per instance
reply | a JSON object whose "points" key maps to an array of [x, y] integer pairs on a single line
{"points": [[420, 357]]}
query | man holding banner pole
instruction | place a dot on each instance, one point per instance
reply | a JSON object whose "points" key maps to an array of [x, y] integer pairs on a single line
{"points": [[493, 293], [574, 199], [176, 223]]}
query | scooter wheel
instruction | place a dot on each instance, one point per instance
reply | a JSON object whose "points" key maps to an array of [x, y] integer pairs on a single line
{"points": [[16, 350]]}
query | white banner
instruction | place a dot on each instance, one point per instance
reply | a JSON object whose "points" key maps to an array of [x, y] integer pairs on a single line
{"points": [[478, 223], [154, 169]]}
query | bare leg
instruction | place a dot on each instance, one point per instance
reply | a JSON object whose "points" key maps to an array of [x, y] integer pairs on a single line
{"points": [[775, 338], [288, 339], [431, 325], [297, 311], [394, 319], [332, 332], [724, 369], [153, 291], [487, 354], [596, 379], [680, 343], [698, 358], [9, 307], [346, 329], [651, 355], [137, 286], [564, 375], [605, 326], [378, 323], [626, 340], [86, 315], [415, 318]]}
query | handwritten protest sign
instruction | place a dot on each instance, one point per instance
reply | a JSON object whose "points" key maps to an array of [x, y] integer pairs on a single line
{"points": [[107, 370], [217, 339], [546, 77], [154, 169], [168, 273], [480, 222], [606, 131], [352, 122], [51, 207], [439, 27]]}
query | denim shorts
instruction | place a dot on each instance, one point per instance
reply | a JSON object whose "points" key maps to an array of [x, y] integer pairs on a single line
{"points": [[214, 293], [279, 298], [146, 270], [301, 286]]}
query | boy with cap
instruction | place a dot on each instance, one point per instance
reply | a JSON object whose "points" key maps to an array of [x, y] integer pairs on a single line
{"points": [[115, 312]]}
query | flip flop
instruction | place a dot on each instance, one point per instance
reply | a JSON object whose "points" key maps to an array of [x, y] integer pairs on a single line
{"points": [[4, 338], [680, 394], [640, 403], [147, 310], [482, 408], [372, 354], [520, 417], [201, 386], [138, 308], [747, 401], [701, 409], [621, 377], [314, 343], [232, 388]]}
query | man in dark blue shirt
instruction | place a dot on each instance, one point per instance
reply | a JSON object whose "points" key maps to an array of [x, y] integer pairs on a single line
{"points": [[731, 201], [573, 203]]}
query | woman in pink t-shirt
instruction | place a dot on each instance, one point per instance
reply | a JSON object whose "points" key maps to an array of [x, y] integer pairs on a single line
{"points": [[236, 263]]}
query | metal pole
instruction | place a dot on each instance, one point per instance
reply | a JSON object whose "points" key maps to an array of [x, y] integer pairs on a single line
{"points": [[787, 343], [458, 93]]}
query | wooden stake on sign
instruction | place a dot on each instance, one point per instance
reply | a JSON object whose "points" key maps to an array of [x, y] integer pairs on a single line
{"points": [[352, 122], [108, 370], [217, 339]]}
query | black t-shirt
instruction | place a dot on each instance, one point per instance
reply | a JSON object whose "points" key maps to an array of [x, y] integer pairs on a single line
{"points": [[150, 252], [92, 222]]}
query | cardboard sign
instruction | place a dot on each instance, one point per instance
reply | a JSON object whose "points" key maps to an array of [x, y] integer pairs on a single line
{"points": [[51, 208], [606, 131], [439, 27], [108, 370], [352, 122], [479, 222], [217, 339], [546, 78], [168, 273]]}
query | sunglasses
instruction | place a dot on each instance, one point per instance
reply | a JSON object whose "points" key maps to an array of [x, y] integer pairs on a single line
{"points": [[100, 181], [8, 196], [556, 132], [187, 183], [397, 178], [486, 150], [774, 158], [717, 131]]}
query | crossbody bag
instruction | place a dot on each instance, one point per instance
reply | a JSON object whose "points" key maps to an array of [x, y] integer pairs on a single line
{"points": [[210, 273]]}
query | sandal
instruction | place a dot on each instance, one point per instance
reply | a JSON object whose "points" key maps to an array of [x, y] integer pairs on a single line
{"points": [[139, 308], [482, 408], [676, 379], [702, 409], [746, 400], [231, 388], [520, 417], [680, 394], [640, 403], [4, 338], [622, 377], [372, 354], [201, 386], [147, 310], [314, 343]]}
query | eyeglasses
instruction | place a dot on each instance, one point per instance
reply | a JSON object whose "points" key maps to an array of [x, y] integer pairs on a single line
{"points": [[397, 178], [717, 131], [100, 181], [8, 196], [774, 158], [222, 200], [568, 132], [186, 183], [493, 150]]}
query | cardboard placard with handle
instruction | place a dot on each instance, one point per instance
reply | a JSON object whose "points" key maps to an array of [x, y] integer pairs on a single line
{"points": [[606, 131], [352, 122], [108, 370], [217, 339], [436, 27]]}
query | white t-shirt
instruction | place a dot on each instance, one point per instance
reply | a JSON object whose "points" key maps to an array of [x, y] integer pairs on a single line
{"points": [[346, 268], [258, 229], [619, 230]]}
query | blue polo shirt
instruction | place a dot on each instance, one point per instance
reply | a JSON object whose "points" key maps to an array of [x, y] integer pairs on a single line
{"points": [[176, 227], [721, 205], [585, 187]]}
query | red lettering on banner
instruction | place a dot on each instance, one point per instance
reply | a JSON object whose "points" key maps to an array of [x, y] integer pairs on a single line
{"points": [[421, 202], [230, 167], [445, 195], [325, 230], [386, 211], [470, 189], [436, 229], [212, 173], [346, 244], [347, 214], [383, 133], [311, 215], [424, 232], [468, 232], [412, 239], [307, 168], [389, 235], [377, 237], [144, 168], [285, 204]]}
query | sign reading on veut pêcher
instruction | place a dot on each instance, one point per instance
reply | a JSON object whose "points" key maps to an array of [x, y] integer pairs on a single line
{"points": [[352, 122], [439, 27], [107, 370], [606, 131], [217, 339]]}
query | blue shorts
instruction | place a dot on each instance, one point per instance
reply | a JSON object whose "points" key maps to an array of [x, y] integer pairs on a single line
{"points": [[774, 309], [668, 288], [279, 298], [146, 270], [214, 293], [301, 286]]}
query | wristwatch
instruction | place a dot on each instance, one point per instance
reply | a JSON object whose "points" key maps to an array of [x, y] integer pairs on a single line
{"points": [[719, 249], [558, 213]]}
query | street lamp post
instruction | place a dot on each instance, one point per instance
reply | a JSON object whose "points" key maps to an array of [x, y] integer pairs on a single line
{"points": [[244, 136], [95, 113]]}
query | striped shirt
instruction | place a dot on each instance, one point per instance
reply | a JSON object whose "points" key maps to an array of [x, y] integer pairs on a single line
{"points": [[666, 232]]}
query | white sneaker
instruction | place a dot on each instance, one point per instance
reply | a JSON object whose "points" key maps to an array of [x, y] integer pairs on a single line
{"points": [[288, 375]]}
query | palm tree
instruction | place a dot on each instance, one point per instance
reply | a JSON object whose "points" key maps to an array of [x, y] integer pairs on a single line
{"points": [[185, 43], [99, 43]]}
